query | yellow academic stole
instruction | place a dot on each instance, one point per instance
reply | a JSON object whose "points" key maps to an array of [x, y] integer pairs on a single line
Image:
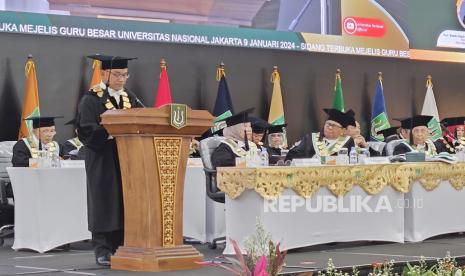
{"points": [[108, 105]]}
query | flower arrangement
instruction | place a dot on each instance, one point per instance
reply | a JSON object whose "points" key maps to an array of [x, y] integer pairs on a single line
{"points": [[446, 266], [263, 257]]}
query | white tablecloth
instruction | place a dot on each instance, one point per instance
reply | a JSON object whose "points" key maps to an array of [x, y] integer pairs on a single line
{"points": [[303, 228], [432, 213], [50, 207], [203, 218]]}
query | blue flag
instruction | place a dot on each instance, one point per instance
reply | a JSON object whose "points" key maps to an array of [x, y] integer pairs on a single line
{"points": [[223, 104], [379, 119]]}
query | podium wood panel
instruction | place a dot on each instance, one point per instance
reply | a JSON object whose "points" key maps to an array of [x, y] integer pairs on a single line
{"points": [[153, 158]]}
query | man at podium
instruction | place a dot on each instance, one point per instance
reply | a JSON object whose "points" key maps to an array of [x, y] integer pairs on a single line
{"points": [[104, 192]]}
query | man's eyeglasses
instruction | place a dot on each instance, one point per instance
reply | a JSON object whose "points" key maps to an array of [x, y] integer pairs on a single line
{"points": [[331, 125], [118, 75]]}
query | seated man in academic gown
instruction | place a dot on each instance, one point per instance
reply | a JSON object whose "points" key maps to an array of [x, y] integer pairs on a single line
{"points": [[327, 143], [73, 148], [276, 139], [355, 132], [389, 135], [420, 141], [259, 127], [43, 129], [238, 134], [454, 138]]}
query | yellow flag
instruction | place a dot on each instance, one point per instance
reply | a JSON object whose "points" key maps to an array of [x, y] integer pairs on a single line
{"points": [[276, 115], [96, 76], [31, 99]]}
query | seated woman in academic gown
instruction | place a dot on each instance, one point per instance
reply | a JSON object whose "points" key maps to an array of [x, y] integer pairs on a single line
{"points": [[333, 139], [43, 129], [276, 139], [454, 139], [238, 134], [420, 141]]}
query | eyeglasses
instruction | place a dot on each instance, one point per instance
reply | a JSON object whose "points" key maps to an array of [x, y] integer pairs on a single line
{"points": [[331, 125], [118, 75]]}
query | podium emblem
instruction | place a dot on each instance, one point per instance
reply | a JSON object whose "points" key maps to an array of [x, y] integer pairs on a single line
{"points": [[178, 115]]}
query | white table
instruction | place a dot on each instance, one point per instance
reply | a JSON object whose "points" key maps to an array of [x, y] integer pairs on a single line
{"points": [[50, 207], [303, 228], [432, 213]]}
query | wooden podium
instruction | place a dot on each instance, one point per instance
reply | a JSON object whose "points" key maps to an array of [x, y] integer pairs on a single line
{"points": [[153, 156]]}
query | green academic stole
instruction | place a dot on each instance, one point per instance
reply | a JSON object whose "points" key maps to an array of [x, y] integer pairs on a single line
{"points": [[431, 151], [238, 150], [33, 149], [322, 150], [75, 142]]}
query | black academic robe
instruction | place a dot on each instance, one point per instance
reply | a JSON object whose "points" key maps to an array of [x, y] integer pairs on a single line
{"points": [[402, 148], [223, 156], [273, 151], [21, 154], [69, 147], [305, 148], [104, 190]]}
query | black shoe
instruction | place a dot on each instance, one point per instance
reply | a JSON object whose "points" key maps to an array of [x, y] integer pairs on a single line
{"points": [[103, 260]]}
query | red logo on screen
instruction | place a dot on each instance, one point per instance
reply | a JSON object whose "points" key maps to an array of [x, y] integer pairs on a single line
{"points": [[360, 26]]}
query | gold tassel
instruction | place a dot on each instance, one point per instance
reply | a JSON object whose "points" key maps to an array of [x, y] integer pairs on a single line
{"points": [[162, 65], [275, 75], [338, 77], [429, 81], [220, 72], [29, 66], [380, 78], [96, 64]]}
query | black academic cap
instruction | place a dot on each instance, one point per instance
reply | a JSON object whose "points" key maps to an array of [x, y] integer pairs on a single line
{"points": [[453, 121], [238, 118], [415, 121], [43, 121], [276, 128], [404, 122], [112, 62], [388, 131], [258, 125], [350, 112], [338, 116]]}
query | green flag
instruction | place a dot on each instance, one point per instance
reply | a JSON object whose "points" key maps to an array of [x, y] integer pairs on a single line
{"points": [[338, 101]]}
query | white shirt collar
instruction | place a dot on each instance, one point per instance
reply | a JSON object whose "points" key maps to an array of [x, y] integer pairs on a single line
{"points": [[114, 93], [111, 91]]}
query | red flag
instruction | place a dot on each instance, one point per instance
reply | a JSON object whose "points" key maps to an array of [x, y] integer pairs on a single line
{"points": [[163, 91]]}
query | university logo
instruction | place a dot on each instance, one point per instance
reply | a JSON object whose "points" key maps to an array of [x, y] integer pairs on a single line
{"points": [[178, 115]]}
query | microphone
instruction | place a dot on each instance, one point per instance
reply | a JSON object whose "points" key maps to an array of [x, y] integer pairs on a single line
{"points": [[246, 141], [139, 101]]}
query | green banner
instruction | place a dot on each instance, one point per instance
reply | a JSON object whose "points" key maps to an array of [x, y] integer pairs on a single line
{"points": [[85, 27]]}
